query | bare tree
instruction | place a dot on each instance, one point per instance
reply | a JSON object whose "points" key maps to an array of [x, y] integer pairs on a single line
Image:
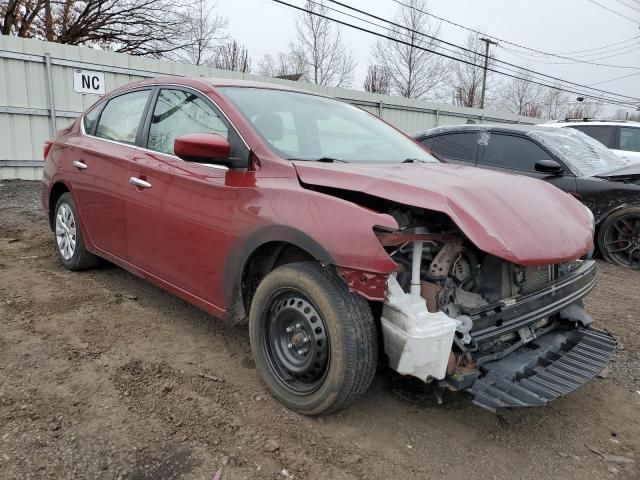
{"points": [[138, 27], [415, 73], [320, 50], [584, 109], [378, 80], [202, 37], [282, 65], [233, 56], [522, 96], [555, 102], [467, 79]]}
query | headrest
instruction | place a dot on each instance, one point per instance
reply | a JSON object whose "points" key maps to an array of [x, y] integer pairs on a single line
{"points": [[270, 126]]}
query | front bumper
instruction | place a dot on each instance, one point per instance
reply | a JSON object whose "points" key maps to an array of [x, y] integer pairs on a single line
{"points": [[554, 365], [508, 316]]}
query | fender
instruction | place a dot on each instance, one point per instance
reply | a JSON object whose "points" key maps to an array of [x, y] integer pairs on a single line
{"points": [[238, 257]]}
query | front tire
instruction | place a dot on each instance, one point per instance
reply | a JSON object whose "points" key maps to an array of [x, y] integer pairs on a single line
{"points": [[70, 246], [619, 238], [314, 343]]}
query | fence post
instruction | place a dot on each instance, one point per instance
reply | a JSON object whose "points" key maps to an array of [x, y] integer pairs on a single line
{"points": [[437, 117], [52, 102], [380, 107]]}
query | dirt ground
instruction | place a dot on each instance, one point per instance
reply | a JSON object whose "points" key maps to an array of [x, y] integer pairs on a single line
{"points": [[101, 377]]}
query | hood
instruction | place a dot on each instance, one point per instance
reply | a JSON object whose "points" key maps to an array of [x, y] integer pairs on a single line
{"points": [[520, 219], [628, 174]]}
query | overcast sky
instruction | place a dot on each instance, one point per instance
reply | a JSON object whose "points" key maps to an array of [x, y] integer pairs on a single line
{"points": [[549, 25]]}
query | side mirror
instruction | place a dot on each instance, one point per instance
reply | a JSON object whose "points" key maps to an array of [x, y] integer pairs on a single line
{"points": [[549, 166], [203, 148]]}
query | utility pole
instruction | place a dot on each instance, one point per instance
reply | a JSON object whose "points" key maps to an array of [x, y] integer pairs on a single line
{"points": [[487, 42]]}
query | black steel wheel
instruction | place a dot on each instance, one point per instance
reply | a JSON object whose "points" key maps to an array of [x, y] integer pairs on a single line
{"points": [[295, 337], [619, 238], [315, 344]]}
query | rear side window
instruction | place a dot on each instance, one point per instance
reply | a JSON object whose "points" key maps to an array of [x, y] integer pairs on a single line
{"points": [[120, 118], [427, 142], [513, 152], [178, 112], [603, 133], [456, 146], [630, 139]]}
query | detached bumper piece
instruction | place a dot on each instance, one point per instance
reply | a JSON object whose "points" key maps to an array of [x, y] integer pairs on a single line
{"points": [[547, 368]]}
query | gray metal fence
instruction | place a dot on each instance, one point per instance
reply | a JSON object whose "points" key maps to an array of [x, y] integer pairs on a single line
{"points": [[37, 96]]}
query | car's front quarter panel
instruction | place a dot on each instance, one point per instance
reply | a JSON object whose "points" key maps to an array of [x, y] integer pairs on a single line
{"points": [[604, 197]]}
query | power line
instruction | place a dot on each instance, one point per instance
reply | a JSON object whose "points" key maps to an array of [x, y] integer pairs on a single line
{"points": [[614, 11], [473, 52], [629, 6], [362, 29], [617, 78], [600, 48], [502, 40]]}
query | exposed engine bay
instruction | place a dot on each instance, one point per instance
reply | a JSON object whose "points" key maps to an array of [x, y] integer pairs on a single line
{"points": [[454, 312]]}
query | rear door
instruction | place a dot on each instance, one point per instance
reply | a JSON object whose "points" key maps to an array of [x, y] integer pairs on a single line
{"points": [[100, 164], [179, 226], [458, 147], [518, 154]]}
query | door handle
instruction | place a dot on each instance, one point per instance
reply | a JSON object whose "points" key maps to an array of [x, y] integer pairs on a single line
{"points": [[139, 182], [79, 165]]}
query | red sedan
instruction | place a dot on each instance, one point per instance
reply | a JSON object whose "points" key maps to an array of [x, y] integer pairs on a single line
{"points": [[335, 235]]}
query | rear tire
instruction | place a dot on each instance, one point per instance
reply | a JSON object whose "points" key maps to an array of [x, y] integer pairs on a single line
{"points": [[314, 343], [619, 238], [69, 241]]}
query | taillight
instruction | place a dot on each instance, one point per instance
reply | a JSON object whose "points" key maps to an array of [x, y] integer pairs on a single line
{"points": [[47, 146]]}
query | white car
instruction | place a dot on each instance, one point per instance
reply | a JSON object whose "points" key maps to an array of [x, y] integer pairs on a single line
{"points": [[621, 136]]}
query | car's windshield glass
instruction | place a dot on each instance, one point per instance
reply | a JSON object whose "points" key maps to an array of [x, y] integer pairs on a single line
{"points": [[588, 157], [299, 126]]}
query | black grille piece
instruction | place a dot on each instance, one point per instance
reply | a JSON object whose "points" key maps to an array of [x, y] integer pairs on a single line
{"points": [[549, 367]]}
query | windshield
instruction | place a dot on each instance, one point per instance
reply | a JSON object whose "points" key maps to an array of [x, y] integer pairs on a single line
{"points": [[586, 156], [299, 126]]}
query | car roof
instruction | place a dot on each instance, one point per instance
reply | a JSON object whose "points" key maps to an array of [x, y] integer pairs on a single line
{"points": [[506, 128], [626, 123]]}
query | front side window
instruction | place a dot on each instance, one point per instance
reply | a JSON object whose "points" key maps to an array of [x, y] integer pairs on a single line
{"points": [[177, 113], [509, 151], [120, 118], [300, 126], [630, 139], [456, 146], [602, 133]]}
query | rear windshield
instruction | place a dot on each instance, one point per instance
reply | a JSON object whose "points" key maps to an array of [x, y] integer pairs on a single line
{"points": [[299, 126], [586, 156]]}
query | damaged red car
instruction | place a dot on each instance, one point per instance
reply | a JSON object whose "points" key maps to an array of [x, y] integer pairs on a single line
{"points": [[338, 238]]}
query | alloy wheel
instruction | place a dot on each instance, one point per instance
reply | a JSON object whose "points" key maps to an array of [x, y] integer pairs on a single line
{"points": [[66, 231], [622, 240]]}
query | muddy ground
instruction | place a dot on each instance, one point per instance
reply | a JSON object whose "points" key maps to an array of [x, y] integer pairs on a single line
{"points": [[101, 377]]}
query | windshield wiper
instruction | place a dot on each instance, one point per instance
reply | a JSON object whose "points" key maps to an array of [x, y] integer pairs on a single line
{"points": [[321, 159]]}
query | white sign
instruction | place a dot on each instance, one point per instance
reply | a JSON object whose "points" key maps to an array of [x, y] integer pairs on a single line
{"points": [[87, 81]]}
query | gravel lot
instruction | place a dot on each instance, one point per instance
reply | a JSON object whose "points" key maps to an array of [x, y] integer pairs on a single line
{"points": [[105, 376]]}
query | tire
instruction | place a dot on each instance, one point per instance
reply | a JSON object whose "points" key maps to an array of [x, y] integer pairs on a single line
{"points": [[67, 234], [619, 238], [340, 333]]}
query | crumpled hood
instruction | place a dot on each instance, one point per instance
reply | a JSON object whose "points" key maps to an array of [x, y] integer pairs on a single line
{"points": [[520, 219]]}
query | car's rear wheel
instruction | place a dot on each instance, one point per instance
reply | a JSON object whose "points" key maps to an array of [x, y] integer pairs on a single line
{"points": [[70, 245], [314, 343], [619, 238]]}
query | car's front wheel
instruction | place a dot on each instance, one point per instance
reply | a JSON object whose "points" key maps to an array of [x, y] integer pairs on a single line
{"points": [[314, 342], [70, 245]]}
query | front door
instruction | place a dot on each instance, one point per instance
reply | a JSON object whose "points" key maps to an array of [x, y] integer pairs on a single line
{"points": [[180, 214]]}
